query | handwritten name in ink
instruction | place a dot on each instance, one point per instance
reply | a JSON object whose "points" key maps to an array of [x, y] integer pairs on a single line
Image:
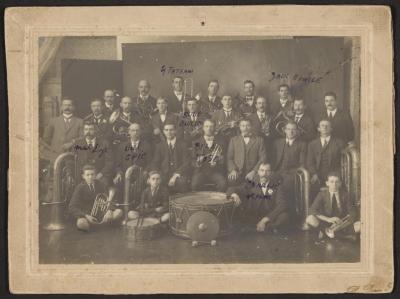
{"points": [[134, 154], [95, 149], [306, 79], [171, 70]]}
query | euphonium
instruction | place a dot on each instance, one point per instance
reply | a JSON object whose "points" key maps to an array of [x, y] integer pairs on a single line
{"points": [[101, 205], [330, 231]]}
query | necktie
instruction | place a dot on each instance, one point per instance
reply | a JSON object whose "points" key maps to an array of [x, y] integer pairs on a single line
{"points": [[228, 114], [330, 115], [297, 119], [335, 206], [92, 188], [324, 142], [287, 142]]}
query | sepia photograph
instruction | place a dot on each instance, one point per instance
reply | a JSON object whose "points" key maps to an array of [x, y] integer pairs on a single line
{"points": [[215, 149], [248, 149]]}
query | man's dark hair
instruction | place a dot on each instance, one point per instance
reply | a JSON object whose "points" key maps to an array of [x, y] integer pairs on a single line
{"points": [[249, 81]]}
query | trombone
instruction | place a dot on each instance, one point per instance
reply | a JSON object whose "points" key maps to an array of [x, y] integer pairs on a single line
{"points": [[187, 85]]}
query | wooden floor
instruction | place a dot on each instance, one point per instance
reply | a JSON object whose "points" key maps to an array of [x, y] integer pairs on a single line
{"points": [[111, 245]]}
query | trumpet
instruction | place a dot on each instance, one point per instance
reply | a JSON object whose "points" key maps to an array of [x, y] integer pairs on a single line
{"points": [[102, 205], [215, 153], [334, 228]]}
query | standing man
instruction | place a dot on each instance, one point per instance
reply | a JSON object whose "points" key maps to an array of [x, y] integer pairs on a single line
{"points": [[97, 118], [245, 154], [121, 119], [324, 154], [176, 100], [95, 151], [285, 104], [306, 126], [226, 120], [161, 117], [191, 121], [172, 158], [212, 102], [342, 124], [109, 105], [246, 105], [208, 159], [62, 130], [144, 103], [261, 122]]}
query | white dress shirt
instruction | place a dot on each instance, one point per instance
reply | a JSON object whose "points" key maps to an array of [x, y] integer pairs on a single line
{"points": [[325, 141], [179, 95], [331, 113], [171, 142], [283, 102]]}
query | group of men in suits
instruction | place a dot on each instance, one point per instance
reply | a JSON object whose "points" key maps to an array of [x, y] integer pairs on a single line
{"points": [[207, 142]]}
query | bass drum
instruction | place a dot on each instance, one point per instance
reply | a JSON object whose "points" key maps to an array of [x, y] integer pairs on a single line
{"points": [[183, 206]]}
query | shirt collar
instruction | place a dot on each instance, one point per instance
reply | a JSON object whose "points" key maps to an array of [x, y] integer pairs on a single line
{"points": [[333, 112], [93, 141], [98, 117], [108, 105], [67, 116], [173, 141], [283, 101], [178, 93], [325, 138], [298, 115], [230, 110]]}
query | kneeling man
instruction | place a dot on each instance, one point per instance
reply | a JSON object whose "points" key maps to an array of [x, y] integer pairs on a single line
{"points": [[261, 202], [333, 206]]}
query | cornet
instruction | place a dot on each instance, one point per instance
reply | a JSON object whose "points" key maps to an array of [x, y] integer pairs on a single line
{"points": [[334, 228]]}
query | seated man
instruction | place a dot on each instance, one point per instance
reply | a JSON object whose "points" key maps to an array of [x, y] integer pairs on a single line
{"points": [[171, 158], [261, 202], [245, 154], [136, 151], [324, 154], [83, 198], [331, 206], [154, 200], [95, 151], [208, 159]]}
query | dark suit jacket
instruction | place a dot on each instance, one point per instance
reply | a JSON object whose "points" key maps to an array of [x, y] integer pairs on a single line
{"points": [[170, 118], [276, 107], [82, 199], [295, 158], [102, 124], [127, 156], [200, 148], [122, 121], [149, 203], [307, 128], [161, 160], [333, 150], [242, 160], [241, 105], [100, 156], [342, 124], [210, 107], [257, 126], [144, 108], [107, 112], [257, 205], [174, 105], [56, 133], [322, 205], [220, 119]]}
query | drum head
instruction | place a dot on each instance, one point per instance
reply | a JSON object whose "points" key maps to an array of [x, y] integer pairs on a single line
{"points": [[201, 198], [202, 226]]}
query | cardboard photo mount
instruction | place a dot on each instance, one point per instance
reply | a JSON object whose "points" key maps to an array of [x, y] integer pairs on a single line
{"points": [[374, 272]]}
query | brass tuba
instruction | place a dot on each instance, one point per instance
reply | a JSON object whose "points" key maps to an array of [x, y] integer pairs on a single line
{"points": [[63, 186], [302, 193], [350, 171]]}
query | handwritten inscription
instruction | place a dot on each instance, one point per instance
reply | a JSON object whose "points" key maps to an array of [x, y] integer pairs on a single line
{"points": [[171, 70], [306, 79], [134, 153], [96, 149]]}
